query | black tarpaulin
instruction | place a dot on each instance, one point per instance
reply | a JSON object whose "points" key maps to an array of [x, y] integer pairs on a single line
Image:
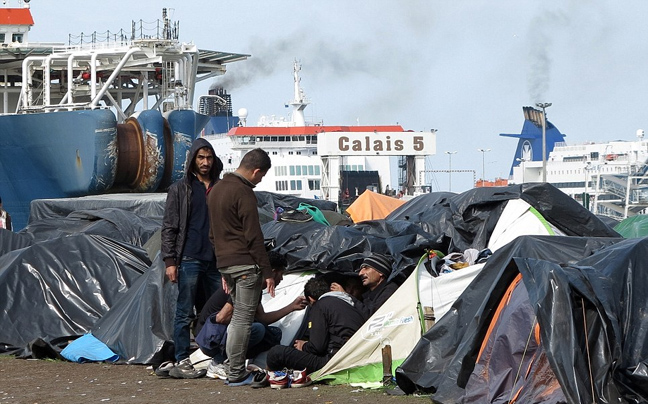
{"points": [[117, 224], [312, 245], [144, 205], [588, 298], [87, 244], [58, 288], [139, 327], [467, 220]]}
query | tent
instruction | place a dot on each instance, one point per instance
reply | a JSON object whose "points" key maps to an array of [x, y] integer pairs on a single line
{"points": [[444, 222], [371, 206], [580, 330], [400, 321]]}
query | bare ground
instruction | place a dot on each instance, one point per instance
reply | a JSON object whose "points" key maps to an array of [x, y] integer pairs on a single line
{"points": [[58, 382]]}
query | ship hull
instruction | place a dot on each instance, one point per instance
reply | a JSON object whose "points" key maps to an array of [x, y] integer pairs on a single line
{"points": [[79, 153]]}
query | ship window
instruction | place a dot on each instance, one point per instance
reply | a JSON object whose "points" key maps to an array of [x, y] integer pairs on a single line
{"points": [[273, 138], [292, 170], [17, 38], [2, 37], [301, 138], [314, 185], [311, 170], [298, 152], [298, 170], [290, 153], [259, 139], [274, 153], [284, 171], [314, 140], [317, 170], [308, 139], [304, 169], [295, 138]]}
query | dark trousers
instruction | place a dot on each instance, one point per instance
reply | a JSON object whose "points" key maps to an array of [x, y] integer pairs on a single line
{"points": [[280, 357]]}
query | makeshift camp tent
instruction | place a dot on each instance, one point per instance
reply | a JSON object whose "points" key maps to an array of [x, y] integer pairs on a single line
{"points": [[372, 206], [400, 321], [444, 222], [586, 297]]}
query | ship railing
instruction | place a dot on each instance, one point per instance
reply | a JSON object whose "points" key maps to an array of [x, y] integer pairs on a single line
{"points": [[158, 31], [58, 107]]}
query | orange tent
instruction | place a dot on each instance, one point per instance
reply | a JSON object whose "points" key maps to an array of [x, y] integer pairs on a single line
{"points": [[372, 206]]}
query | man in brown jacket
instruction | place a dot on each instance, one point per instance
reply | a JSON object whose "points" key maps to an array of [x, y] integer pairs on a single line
{"points": [[236, 233]]}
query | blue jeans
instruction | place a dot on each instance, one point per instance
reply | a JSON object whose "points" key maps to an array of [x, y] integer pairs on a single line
{"points": [[245, 286], [191, 273], [257, 333]]}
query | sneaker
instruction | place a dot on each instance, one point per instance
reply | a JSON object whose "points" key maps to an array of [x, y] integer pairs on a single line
{"points": [[245, 381], [163, 370], [260, 380], [279, 379], [217, 370], [300, 379], [185, 370]]}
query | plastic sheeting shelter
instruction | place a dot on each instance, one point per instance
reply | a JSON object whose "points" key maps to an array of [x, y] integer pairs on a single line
{"points": [[444, 222], [400, 322], [586, 296], [371, 206]]}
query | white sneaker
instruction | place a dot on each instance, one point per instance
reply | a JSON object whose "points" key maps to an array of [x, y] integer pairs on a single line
{"points": [[217, 370]]}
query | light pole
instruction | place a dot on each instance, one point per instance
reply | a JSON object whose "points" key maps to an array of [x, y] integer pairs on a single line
{"points": [[544, 106], [483, 152], [450, 153], [586, 169]]}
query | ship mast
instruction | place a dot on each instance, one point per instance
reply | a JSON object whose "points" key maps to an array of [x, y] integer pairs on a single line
{"points": [[299, 101]]}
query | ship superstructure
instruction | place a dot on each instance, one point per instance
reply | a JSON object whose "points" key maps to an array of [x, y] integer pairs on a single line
{"points": [[314, 160], [609, 178]]}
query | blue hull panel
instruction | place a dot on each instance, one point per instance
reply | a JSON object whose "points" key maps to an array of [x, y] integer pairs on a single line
{"points": [[185, 126], [55, 155], [76, 153]]}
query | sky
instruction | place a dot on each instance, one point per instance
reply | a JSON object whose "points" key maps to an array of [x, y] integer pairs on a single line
{"points": [[464, 68]]}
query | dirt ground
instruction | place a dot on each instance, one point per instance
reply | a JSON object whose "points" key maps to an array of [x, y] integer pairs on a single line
{"points": [[58, 382]]}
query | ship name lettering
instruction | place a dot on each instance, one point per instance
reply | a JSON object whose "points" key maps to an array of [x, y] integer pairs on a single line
{"points": [[378, 145]]}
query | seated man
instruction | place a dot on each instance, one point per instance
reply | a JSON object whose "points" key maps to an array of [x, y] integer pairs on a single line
{"points": [[217, 313], [333, 319], [374, 272]]}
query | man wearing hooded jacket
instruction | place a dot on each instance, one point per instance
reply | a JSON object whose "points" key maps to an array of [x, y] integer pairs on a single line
{"points": [[186, 249]]}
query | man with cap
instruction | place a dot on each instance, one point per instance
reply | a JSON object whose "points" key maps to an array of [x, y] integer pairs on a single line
{"points": [[374, 273]]}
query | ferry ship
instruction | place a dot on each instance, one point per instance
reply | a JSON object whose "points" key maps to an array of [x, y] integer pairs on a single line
{"points": [[111, 113], [313, 160], [609, 178]]}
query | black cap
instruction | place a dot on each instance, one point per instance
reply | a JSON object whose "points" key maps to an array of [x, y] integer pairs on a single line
{"points": [[379, 262]]}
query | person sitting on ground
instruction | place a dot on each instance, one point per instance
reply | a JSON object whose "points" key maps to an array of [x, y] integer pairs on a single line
{"points": [[219, 309], [374, 273], [333, 319]]}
